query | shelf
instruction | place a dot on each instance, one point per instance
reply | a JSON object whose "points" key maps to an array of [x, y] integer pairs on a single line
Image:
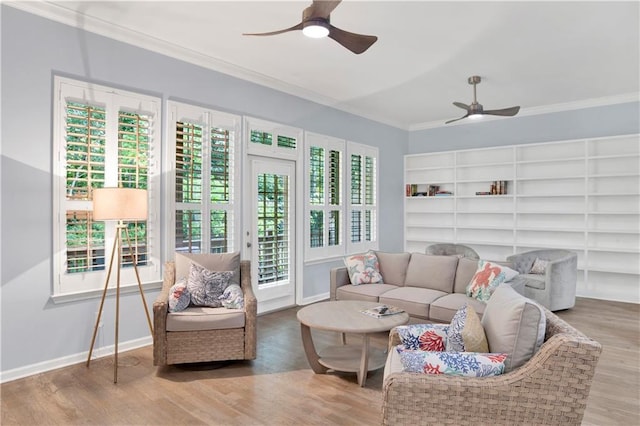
{"points": [[551, 160], [581, 195], [549, 177]]}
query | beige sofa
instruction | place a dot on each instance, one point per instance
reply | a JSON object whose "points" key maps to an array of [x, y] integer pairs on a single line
{"points": [[428, 287]]}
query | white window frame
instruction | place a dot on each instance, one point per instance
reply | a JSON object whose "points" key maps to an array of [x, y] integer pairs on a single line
{"points": [[328, 144], [276, 129], [364, 151], [208, 118], [75, 285]]}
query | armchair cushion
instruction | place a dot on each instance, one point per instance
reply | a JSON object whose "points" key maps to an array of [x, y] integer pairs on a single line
{"points": [[198, 318], [468, 364], [179, 296], [207, 286], [423, 337], [514, 325], [465, 333], [212, 262]]}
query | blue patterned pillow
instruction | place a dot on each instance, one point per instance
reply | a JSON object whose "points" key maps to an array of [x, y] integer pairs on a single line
{"points": [[232, 297], [467, 364], [423, 337], [207, 286], [179, 296]]}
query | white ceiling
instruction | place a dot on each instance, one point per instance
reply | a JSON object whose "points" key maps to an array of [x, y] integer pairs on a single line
{"points": [[542, 56]]}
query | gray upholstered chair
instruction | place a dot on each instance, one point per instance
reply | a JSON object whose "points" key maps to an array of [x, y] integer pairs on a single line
{"points": [[200, 334], [447, 249], [555, 288]]}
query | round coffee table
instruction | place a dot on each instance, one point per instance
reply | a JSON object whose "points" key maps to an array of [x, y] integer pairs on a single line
{"points": [[345, 316]]}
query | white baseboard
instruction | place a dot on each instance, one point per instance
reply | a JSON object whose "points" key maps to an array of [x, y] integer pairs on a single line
{"points": [[314, 299], [41, 367]]}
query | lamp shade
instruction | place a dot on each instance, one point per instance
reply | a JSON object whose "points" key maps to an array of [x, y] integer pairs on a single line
{"points": [[119, 204]]}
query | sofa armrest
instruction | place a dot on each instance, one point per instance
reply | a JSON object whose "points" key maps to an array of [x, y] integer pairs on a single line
{"points": [[338, 277]]}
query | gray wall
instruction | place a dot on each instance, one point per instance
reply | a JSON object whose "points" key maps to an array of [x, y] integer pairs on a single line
{"points": [[33, 329]]}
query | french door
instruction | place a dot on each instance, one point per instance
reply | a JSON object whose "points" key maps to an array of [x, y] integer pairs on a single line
{"points": [[271, 241]]}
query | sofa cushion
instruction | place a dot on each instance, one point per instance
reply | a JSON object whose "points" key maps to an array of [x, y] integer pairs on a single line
{"points": [[414, 300], [212, 262], [363, 268], [464, 272], [423, 337], [198, 318], [514, 325], [369, 292], [465, 334], [488, 276], [433, 272], [393, 267], [444, 308], [452, 363]]}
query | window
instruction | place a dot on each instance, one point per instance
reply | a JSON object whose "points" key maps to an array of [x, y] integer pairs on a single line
{"points": [[362, 205], [324, 215], [202, 153], [271, 139], [103, 137]]}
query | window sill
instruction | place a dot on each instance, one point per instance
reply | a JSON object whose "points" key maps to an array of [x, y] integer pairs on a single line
{"points": [[97, 293]]}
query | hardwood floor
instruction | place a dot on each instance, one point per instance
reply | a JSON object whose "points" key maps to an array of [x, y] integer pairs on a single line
{"points": [[279, 388]]}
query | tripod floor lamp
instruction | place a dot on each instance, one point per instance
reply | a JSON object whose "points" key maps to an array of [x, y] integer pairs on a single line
{"points": [[119, 204]]}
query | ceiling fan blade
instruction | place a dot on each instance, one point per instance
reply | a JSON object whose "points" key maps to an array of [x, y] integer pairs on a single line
{"points": [[461, 105], [456, 119], [295, 27], [357, 43], [322, 8], [507, 112]]}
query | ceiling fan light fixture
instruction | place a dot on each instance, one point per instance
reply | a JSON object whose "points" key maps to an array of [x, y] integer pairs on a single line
{"points": [[316, 28]]}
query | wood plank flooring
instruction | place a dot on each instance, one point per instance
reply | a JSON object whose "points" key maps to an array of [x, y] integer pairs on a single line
{"points": [[279, 388]]}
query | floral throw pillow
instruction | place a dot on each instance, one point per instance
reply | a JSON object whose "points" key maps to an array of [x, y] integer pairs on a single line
{"points": [[465, 333], [232, 297], [487, 278], [453, 363], [423, 337], [207, 286], [539, 266], [179, 296], [363, 268]]}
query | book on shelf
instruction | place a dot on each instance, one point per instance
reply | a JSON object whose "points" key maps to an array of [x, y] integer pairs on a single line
{"points": [[382, 311]]}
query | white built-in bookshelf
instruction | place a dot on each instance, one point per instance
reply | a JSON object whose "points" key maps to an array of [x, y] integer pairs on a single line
{"points": [[581, 195]]}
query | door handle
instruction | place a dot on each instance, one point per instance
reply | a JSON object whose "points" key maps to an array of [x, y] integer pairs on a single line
{"points": [[249, 245]]}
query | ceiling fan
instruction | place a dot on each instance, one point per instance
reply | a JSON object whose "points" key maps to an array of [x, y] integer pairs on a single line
{"points": [[476, 109], [315, 24]]}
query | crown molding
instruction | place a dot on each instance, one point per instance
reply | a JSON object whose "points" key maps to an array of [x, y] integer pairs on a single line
{"points": [[545, 109]]}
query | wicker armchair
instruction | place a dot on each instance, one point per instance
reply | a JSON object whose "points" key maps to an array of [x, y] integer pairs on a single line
{"points": [[550, 389], [178, 347]]}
